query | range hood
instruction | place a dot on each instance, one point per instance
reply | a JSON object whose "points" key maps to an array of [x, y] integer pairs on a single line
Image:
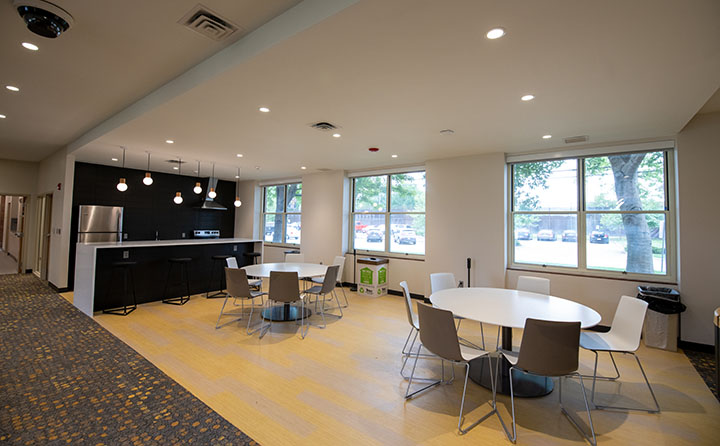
{"points": [[209, 203]]}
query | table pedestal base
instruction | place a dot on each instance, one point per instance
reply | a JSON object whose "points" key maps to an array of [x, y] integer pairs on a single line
{"points": [[285, 313], [524, 385]]}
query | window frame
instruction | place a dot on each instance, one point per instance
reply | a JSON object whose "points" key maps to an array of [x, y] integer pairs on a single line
{"points": [[284, 214], [581, 213], [387, 215]]}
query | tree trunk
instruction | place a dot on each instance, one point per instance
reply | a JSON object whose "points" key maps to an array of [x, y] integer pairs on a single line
{"points": [[639, 244]]}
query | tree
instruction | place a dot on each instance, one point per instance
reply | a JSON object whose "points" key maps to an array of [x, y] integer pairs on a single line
{"points": [[275, 202], [528, 179]]}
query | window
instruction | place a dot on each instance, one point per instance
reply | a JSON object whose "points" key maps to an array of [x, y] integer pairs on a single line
{"points": [[282, 206], [603, 215], [395, 201]]}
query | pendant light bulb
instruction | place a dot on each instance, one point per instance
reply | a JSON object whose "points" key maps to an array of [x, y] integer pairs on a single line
{"points": [[178, 198], [212, 193], [122, 185], [237, 202], [197, 189], [147, 181]]}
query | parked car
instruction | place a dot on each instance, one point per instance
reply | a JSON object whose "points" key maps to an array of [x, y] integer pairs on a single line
{"points": [[374, 236], [406, 237], [569, 236], [546, 235], [523, 234], [360, 226], [395, 230], [599, 237]]}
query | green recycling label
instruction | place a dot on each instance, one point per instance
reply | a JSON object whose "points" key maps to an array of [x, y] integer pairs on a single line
{"points": [[382, 275], [366, 276]]}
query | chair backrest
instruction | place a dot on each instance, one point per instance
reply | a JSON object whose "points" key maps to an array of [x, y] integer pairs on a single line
{"points": [[408, 304], [549, 348], [330, 279], [294, 258], [340, 261], [231, 262], [438, 333], [441, 281], [284, 286], [237, 282], [628, 321], [533, 285]]}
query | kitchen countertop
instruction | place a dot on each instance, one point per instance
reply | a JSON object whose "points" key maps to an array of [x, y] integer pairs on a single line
{"points": [[154, 243]]}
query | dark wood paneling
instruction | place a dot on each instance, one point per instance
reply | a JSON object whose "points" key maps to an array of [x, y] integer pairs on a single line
{"points": [[149, 209]]}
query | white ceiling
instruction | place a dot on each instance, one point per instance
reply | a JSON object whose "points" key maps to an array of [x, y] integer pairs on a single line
{"points": [[393, 73], [116, 52]]}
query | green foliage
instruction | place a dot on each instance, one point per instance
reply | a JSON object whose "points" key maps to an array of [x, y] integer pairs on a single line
{"points": [[371, 193], [528, 178], [407, 192]]}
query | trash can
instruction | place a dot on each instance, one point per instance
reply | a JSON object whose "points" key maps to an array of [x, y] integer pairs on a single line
{"points": [[662, 321], [373, 276]]}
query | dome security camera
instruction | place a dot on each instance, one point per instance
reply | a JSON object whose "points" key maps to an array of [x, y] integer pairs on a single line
{"points": [[43, 18]]}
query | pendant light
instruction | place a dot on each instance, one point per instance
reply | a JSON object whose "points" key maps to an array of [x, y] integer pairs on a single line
{"points": [[237, 202], [178, 196], [122, 185], [212, 193], [147, 181], [198, 188]]}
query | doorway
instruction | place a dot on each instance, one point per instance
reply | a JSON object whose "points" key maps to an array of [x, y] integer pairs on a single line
{"points": [[13, 226], [42, 253]]}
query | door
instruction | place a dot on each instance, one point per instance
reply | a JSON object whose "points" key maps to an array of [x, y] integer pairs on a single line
{"points": [[44, 214]]}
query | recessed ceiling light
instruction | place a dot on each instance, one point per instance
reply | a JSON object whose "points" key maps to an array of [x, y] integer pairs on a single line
{"points": [[175, 168], [547, 136], [264, 109], [303, 167], [394, 156], [495, 33], [170, 141], [528, 97], [3, 116], [30, 46], [12, 88], [237, 176], [239, 155], [336, 135], [114, 159]]}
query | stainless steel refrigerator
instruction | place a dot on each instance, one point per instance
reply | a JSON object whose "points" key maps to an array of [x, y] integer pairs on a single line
{"points": [[100, 224]]}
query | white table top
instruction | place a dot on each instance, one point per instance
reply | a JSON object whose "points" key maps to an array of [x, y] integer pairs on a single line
{"points": [[510, 308], [303, 269]]}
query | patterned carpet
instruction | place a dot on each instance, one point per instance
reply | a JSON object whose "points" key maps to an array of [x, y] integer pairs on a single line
{"points": [[704, 363], [66, 380]]}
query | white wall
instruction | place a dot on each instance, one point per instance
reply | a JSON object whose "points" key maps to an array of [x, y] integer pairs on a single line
{"points": [[58, 168], [466, 218], [247, 216], [20, 178], [322, 216], [698, 153]]}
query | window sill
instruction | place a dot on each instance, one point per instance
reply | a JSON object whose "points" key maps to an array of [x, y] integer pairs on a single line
{"points": [[282, 245], [592, 275], [385, 255]]}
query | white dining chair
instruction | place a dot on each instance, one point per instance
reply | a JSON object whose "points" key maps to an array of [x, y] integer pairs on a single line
{"points": [[532, 284], [443, 281], [294, 258], [339, 261], [231, 262], [623, 337], [414, 331]]}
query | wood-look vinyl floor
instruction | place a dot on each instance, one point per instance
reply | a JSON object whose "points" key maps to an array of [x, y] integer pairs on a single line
{"points": [[341, 386]]}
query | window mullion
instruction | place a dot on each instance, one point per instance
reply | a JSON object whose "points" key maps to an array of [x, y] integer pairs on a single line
{"points": [[581, 219]]}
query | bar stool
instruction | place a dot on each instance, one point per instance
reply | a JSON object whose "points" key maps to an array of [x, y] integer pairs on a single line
{"points": [[254, 256], [221, 293], [182, 263], [125, 268]]}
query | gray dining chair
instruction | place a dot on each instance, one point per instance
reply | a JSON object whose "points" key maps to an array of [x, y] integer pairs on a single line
{"points": [[285, 289], [327, 288], [254, 283], [443, 281], [438, 336], [340, 261], [549, 348], [238, 288]]}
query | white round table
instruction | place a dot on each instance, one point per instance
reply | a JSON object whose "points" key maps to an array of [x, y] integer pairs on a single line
{"points": [[509, 309], [286, 312]]}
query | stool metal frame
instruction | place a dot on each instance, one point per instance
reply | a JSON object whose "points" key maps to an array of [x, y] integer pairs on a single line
{"points": [[180, 300], [222, 293], [127, 274]]}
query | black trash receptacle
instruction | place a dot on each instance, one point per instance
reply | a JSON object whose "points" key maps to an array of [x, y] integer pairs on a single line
{"points": [[661, 328]]}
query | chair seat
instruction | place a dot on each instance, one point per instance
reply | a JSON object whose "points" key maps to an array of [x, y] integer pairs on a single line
{"points": [[605, 342], [318, 279], [255, 283], [313, 290], [511, 356], [255, 294], [469, 353]]}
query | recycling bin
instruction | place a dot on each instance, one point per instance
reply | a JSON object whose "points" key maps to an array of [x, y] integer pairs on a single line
{"points": [[373, 276]]}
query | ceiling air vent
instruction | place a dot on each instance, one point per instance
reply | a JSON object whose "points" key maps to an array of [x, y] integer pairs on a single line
{"points": [[576, 139], [324, 126], [203, 21]]}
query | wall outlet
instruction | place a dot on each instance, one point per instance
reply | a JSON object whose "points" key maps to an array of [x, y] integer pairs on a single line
{"points": [[183, 235], [234, 248], [126, 254], [125, 236]]}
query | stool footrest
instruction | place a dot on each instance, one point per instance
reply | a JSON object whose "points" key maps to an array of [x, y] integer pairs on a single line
{"points": [[181, 300], [121, 311]]}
